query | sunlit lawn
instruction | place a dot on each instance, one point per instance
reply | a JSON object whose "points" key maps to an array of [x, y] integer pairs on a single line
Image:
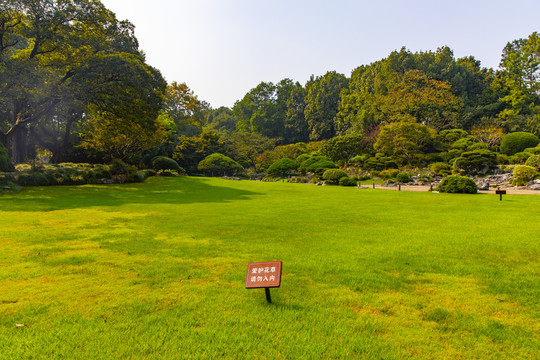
{"points": [[157, 270]]}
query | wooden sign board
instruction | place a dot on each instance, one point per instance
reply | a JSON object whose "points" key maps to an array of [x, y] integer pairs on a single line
{"points": [[263, 275], [500, 192]]}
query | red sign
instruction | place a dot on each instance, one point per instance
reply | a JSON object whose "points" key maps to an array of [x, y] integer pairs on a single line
{"points": [[263, 275]]}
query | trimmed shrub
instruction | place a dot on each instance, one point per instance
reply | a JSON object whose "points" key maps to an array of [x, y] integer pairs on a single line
{"points": [[282, 167], [523, 174], [474, 162], [503, 159], [533, 161], [389, 174], [118, 167], [4, 159], [533, 150], [440, 169], [520, 157], [458, 185], [217, 163], [332, 176], [477, 146], [348, 181], [301, 158], [316, 164], [162, 163], [517, 142], [403, 177], [32, 179]]}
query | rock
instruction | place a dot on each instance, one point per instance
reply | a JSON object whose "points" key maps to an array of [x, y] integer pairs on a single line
{"points": [[6, 188], [483, 184], [534, 187]]}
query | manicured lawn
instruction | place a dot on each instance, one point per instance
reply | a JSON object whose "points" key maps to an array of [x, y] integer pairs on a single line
{"points": [[157, 270]]}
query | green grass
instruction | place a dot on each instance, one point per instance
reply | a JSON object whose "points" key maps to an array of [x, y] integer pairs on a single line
{"points": [[156, 271]]}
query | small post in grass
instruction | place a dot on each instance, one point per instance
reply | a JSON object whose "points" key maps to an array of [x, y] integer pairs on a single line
{"points": [[500, 192], [264, 275], [374, 185]]}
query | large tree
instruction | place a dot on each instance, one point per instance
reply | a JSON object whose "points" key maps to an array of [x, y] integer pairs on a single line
{"points": [[57, 59], [322, 101]]}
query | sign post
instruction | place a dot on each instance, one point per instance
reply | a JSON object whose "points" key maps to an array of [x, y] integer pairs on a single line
{"points": [[500, 192], [264, 275]]}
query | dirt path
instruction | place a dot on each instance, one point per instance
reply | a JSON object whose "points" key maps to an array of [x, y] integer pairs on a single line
{"points": [[427, 188]]}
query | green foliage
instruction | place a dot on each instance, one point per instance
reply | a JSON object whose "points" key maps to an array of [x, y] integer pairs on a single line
{"points": [[34, 178], [332, 176], [516, 142], [219, 164], [301, 158], [389, 174], [344, 147], [440, 169], [282, 167], [316, 164], [534, 161], [322, 100], [162, 163], [4, 159], [403, 177], [520, 157], [522, 174], [348, 181], [474, 162], [533, 150], [192, 150], [458, 185], [404, 141]]}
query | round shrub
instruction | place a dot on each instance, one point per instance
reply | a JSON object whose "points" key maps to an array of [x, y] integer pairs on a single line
{"points": [[347, 181], [534, 150], [389, 174], [316, 164], [332, 176], [533, 161], [440, 168], [520, 157], [458, 185], [4, 159], [523, 174], [162, 163], [518, 141], [217, 163], [118, 167], [403, 177], [474, 162], [282, 167], [301, 158]]}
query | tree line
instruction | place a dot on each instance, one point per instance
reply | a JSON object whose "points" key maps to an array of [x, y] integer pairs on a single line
{"points": [[75, 85]]}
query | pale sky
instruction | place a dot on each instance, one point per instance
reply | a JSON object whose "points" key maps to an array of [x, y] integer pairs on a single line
{"points": [[223, 48]]}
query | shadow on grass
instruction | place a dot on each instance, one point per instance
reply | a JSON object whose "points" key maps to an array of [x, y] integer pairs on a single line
{"points": [[183, 190]]}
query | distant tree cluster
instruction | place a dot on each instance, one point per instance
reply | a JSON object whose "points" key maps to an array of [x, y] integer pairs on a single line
{"points": [[74, 85]]}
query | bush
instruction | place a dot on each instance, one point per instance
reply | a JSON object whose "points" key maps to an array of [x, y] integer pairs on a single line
{"points": [[282, 167], [32, 179], [458, 185], [162, 163], [348, 181], [440, 169], [4, 159], [503, 159], [517, 142], [523, 174], [389, 174], [301, 158], [474, 162], [520, 157], [217, 163], [533, 150], [118, 167], [533, 161], [403, 177], [332, 176], [477, 146], [316, 164]]}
